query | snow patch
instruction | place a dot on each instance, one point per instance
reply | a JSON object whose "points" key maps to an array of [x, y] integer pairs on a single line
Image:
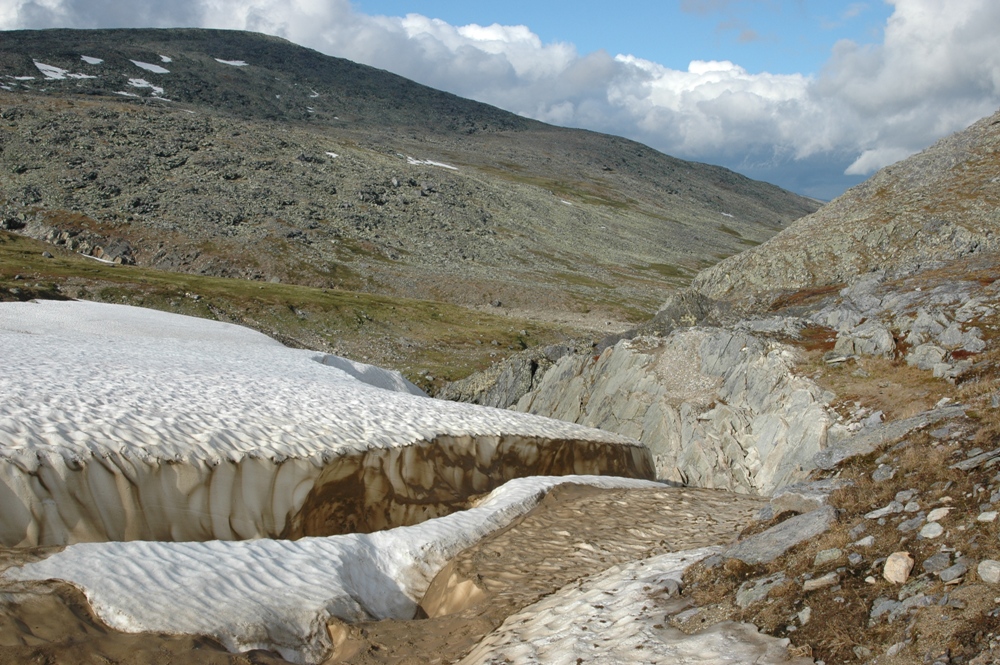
{"points": [[234, 63], [166, 58], [333, 155], [22, 78], [569, 203], [57, 73], [279, 595], [125, 94], [91, 61], [147, 425], [143, 83], [156, 69], [429, 162], [313, 94], [6, 87], [726, 214]]}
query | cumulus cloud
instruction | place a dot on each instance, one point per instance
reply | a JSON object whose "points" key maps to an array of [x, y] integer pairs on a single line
{"points": [[936, 71]]}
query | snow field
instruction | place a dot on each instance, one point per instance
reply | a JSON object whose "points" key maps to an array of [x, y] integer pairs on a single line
{"points": [[120, 423]]}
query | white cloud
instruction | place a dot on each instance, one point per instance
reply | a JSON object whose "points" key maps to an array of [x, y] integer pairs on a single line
{"points": [[937, 70]]}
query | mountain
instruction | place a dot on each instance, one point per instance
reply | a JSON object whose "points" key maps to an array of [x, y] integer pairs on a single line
{"points": [[241, 155]]}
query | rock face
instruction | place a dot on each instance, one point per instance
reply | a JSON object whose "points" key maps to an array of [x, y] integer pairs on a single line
{"points": [[717, 407]]}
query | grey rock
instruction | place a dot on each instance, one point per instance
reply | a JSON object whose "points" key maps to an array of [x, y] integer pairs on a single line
{"points": [[825, 557], [755, 591], [911, 524], [867, 440], [883, 472], [893, 508], [881, 607], [937, 562], [822, 582], [953, 572], [926, 356], [855, 559], [805, 497], [871, 338], [983, 459], [768, 545]]}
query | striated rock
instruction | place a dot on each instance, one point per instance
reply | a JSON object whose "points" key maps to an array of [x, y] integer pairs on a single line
{"points": [[768, 545], [897, 567], [869, 439], [717, 408], [503, 384]]}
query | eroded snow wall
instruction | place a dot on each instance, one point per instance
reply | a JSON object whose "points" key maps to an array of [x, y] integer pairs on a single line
{"points": [[119, 423]]}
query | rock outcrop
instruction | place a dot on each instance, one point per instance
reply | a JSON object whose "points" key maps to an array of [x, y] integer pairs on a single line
{"points": [[717, 407]]}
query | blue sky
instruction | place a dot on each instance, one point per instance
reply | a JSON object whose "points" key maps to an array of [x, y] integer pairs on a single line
{"points": [[777, 37], [812, 96]]}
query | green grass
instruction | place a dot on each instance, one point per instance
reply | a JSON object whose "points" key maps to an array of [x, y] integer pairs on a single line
{"points": [[414, 336]]}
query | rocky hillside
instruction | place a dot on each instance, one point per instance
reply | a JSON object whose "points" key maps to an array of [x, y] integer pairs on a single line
{"points": [[847, 369], [240, 155], [925, 211]]}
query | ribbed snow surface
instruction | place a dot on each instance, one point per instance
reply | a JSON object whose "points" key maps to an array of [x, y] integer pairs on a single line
{"points": [[120, 423], [279, 594]]}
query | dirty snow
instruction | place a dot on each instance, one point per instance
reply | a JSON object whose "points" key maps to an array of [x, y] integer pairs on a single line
{"points": [[156, 69], [274, 594], [91, 61], [618, 617]]}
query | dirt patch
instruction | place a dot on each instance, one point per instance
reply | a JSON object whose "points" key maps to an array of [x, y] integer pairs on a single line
{"points": [[575, 531]]}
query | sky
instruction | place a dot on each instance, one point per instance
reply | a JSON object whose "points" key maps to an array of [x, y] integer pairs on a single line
{"points": [[813, 96]]}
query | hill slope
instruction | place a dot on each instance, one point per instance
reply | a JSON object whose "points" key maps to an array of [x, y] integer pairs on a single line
{"points": [[236, 154]]}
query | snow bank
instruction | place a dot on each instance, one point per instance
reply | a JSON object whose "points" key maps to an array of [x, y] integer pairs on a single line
{"points": [[280, 594], [120, 423]]}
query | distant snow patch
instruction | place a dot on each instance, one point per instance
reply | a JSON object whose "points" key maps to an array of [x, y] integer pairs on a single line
{"points": [[6, 87], [156, 69], [314, 94], [429, 162], [125, 94], [143, 83], [91, 61], [332, 154], [310, 109], [234, 63], [565, 201], [166, 58], [23, 78], [726, 214], [58, 74]]}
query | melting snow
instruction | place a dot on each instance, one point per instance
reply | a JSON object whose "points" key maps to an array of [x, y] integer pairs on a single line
{"points": [[58, 74], [91, 61], [234, 63], [143, 83], [166, 58], [614, 617], [156, 69], [428, 162], [279, 594]]}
